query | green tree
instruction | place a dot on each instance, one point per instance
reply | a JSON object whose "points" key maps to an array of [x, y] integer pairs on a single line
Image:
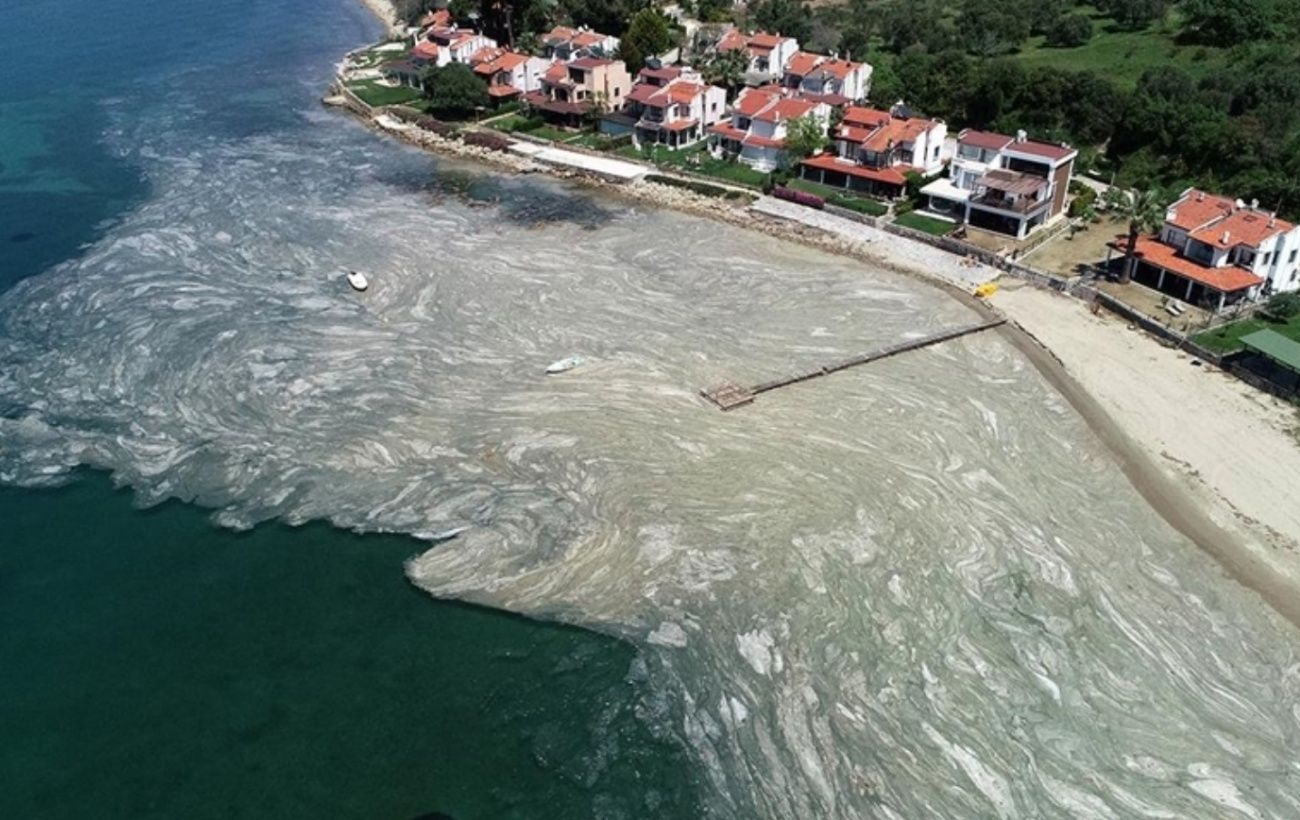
{"points": [[1069, 31], [647, 36], [791, 18], [454, 90], [1134, 14], [727, 70], [1228, 22], [991, 27], [1283, 306], [1144, 210], [803, 136]]}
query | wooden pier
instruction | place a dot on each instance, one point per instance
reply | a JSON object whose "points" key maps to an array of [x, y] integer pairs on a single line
{"points": [[729, 395]]}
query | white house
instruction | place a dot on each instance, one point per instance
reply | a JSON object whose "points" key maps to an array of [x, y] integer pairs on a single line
{"points": [[1006, 184], [875, 150], [442, 45], [757, 129], [674, 106], [1214, 251], [834, 81], [768, 53]]}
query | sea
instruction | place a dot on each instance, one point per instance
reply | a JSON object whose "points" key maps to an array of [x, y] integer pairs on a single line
{"points": [[273, 548]]}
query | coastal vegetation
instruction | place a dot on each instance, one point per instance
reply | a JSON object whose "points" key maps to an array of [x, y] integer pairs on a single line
{"points": [[1281, 314]]}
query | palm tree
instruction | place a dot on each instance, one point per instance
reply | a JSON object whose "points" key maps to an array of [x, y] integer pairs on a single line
{"points": [[1144, 210], [727, 70]]}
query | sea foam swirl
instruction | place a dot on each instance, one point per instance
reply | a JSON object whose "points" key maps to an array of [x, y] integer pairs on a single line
{"points": [[916, 589]]}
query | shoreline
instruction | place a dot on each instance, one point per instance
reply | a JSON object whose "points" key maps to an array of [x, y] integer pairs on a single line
{"points": [[385, 11], [1237, 547]]}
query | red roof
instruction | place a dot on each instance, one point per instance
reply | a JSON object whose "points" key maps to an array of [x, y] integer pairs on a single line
{"points": [[1197, 209], [502, 91], [1246, 226], [802, 62], [1227, 279], [785, 109], [889, 176], [839, 68], [761, 39], [864, 117], [678, 125], [591, 62], [725, 130], [1048, 150], [424, 50], [665, 73], [753, 101], [988, 140]]}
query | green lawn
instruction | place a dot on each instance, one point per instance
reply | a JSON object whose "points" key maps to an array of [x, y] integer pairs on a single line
{"points": [[705, 165], [1227, 339], [510, 122], [926, 224], [840, 197], [1123, 56], [376, 94], [375, 57], [550, 132]]}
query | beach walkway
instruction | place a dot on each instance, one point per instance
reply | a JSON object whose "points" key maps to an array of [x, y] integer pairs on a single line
{"points": [[965, 274], [613, 169]]}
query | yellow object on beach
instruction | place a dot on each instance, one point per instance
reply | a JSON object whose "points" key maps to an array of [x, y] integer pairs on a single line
{"points": [[986, 290]]}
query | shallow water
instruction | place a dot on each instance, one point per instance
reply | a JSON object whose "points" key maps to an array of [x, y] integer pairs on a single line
{"points": [[920, 588]]}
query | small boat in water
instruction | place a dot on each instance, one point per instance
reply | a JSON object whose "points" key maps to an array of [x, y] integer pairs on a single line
{"points": [[564, 364], [358, 280]]}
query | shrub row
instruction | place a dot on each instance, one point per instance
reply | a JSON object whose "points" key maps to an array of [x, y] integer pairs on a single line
{"points": [[799, 197], [493, 142], [702, 188], [438, 127], [862, 206]]}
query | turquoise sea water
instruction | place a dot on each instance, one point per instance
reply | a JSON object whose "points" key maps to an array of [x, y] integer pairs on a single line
{"points": [[157, 666]]}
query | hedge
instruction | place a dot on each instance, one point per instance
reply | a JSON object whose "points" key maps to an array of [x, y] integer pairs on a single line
{"points": [[799, 197], [494, 142], [702, 188]]}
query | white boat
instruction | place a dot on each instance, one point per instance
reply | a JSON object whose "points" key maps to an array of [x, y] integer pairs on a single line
{"points": [[358, 280], [564, 364]]}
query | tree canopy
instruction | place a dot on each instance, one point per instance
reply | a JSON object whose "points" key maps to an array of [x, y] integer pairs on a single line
{"points": [[454, 90], [803, 136], [647, 36]]}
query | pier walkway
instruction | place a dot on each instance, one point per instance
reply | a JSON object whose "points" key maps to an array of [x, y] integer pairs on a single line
{"points": [[729, 395]]}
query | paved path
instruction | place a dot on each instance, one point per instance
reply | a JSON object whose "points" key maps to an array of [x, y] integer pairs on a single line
{"points": [[610, 168], [902, 251]]}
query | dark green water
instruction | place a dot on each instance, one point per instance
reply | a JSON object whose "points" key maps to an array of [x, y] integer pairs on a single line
{"points": [[158, 667]]}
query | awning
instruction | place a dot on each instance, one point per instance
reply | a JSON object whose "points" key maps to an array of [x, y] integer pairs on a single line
{"points": [[1225, 279], [1275, 346], [1012, 182], [944, 189]]}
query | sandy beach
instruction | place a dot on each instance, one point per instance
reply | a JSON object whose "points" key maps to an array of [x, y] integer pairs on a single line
{"points": [[1216, 457]]}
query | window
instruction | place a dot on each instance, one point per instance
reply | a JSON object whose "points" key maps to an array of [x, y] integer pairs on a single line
{"points": [[1291, 258]]}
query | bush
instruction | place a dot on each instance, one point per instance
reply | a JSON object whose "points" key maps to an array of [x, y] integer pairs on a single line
{"points": [[863, 206], [1069, 31], [904, 207], [493, 142], [432, 125], [1283, 306], [702, 188], [1084, 199], [799, 197]]}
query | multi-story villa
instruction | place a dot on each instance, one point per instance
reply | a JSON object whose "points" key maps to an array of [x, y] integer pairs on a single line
{"points": [[830, 79], [509, 74], [1006, 184], [756, 133], [673, 106], [568, 91], [1214, 251], [875, 150], [768, 53], [565, 44]]}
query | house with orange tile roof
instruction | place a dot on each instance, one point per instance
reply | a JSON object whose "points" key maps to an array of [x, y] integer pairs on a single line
{"points": [[673, 106], [833, 80], [565, 43], [509, 74], [875, 150], [755, 134], [1214, 251], [768, 53], [569, 91], [1007, 184], [442, 45]]}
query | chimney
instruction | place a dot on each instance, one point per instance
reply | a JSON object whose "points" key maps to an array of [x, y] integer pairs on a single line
{"points": [[1272, 219], [1254, 204], [1226, 236], [1200, 196], [1021, 136]]}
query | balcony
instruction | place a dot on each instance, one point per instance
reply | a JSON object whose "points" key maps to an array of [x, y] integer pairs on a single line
{"points": [[996, 200]]}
